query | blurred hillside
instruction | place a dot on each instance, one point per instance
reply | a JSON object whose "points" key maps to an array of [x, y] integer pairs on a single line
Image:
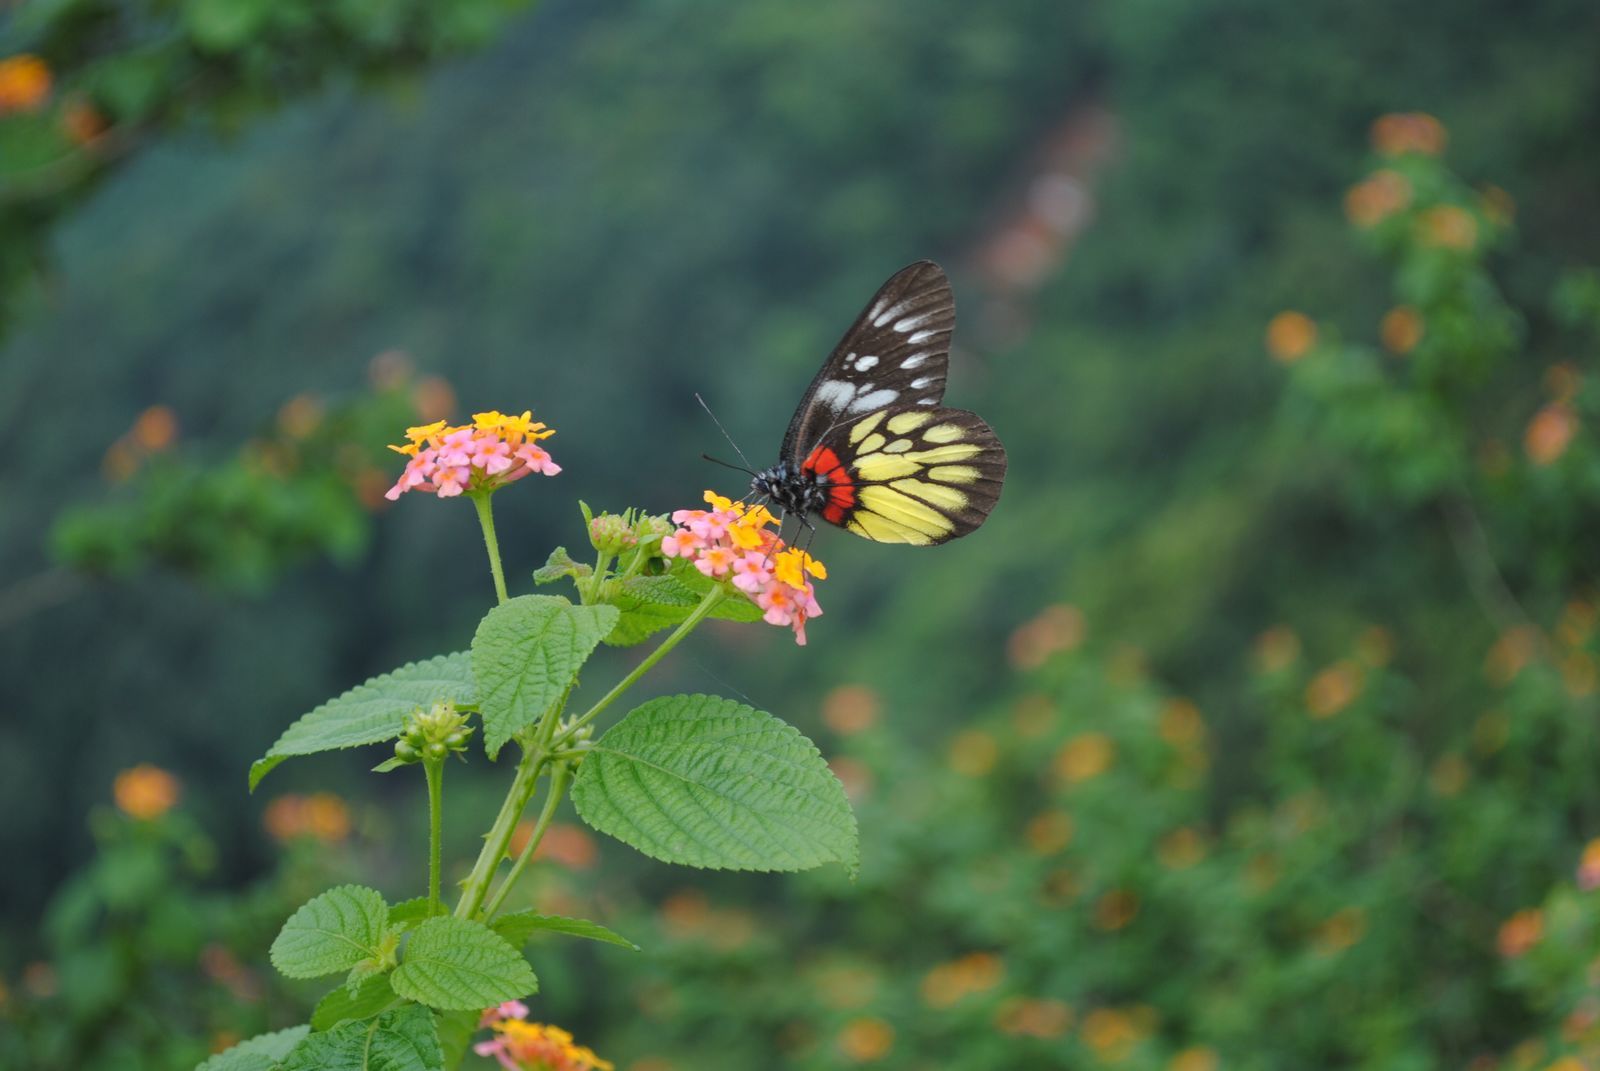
{"points": [[614, 207]]}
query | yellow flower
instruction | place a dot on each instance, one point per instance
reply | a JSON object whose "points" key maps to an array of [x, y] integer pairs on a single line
{"points": [[24, 83], [790, 566]]}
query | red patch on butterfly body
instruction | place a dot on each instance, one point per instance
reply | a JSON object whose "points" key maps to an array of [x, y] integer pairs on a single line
{"points": [[842, 493]]}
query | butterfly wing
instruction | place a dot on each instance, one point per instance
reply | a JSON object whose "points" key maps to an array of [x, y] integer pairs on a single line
{"points": [[910, 474], [897, 353]]}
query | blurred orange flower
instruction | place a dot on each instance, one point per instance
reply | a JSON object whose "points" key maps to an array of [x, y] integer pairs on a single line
{"points": [[83, 122], [1181, 849], [1050, 832], [1510, 654], [1402, 132], [1112, 1033], [1498, 206], [1400, 330], [1084, 757], [1276, 649], [1344, 929], [1335, 688], [145, 791], [973, 753], [155, 429], [24, 83], [1562, 381], [568, 845], [851, 709], [1521, 932], [1290, 336], [866, 1040], [1197, 1058], [948, 983], [1181, 723], [1029, 1017], [1550, 432], [1589, 866], [300, 416], [1449, 776], [1375, 646], [854, 775], [1377, 197], [433, 399], [1448, 227], [321, 816], [1054, 629], [1116, 909]]}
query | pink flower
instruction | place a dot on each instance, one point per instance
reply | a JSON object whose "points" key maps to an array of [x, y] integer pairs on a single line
{"points": [[511, 1009], [715, 561], [489, 453], [751, 573]]}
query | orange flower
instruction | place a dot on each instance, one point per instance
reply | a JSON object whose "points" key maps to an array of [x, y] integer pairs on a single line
{"points": [[1400, 330], [1181, 724], [1402, 132], [846, 985], [1550, 432], [83, 122], [1448, 227], [569, 846], [1050, 832], [1116, 909], [1054, 629], [866, 1040], [1589, 866], [948, 983], [145, 791], [1290, 336], [851, 709], [1028, 1017], [973, 753], [1344, 929], [1112, 1033], [300, 416], [1335, 688], [1276, 649], [854, 775], [1510, 654], [24, 83], [1196, 1058], [155, 429], [322, 816], [1377, 197], [1521, 932], [1084, 757], [1181, 849]]}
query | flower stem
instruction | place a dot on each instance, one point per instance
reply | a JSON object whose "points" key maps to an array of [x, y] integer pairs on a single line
{"points": [[476, 886], [486, 522], [434, 768], [705, 606], [558, 788]]}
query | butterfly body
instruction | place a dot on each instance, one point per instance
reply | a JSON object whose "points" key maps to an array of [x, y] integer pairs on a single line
{"points": [[871, 448]]}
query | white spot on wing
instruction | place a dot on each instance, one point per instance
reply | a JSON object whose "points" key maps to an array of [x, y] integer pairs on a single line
{"points": [[912, 321], [920, 382], [925, 401], [873, 400], [917, 338], [890, 313], [835, 394], [864, 363], [914, 361]]}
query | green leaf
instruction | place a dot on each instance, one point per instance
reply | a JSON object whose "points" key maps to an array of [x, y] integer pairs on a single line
{"points": [[332, 932], [372, 712], [526, 654], [401, 1040], [369, 998], [558, 565], [455, 1034], [260, 1053], [225, 25], [457, 964], [408, 913], [652, 603], [518, 926], [709, 782]]}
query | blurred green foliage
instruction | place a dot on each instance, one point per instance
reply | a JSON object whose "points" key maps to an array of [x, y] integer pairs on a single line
{"points": [[617, 206]]}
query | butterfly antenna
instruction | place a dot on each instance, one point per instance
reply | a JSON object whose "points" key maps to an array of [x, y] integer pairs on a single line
{"points": [[748, 467], [728, 464]]}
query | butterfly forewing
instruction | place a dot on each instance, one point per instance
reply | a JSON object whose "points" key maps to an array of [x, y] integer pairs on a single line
{"points": [[896, 354], [911, 474]]}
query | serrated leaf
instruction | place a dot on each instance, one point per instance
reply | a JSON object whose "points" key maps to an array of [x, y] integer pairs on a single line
{"points": [[650, 604], [736, 607], [525, 655], [643, 621], [370, 997], [373, 712], [408, 913], [709, 782], [401, 1040], [332, 932], [558, 565], [260, 1053], [457, 964], [518, 926]]}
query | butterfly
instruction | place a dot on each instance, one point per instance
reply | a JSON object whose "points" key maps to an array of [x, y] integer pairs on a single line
{"points": [[871, 448]]}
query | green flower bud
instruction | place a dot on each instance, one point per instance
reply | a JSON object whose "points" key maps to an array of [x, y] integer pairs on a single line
{"points": [[434, 732], [406, 751], [612, 533]]}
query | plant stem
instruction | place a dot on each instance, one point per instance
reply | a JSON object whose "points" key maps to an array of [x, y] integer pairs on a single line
{"points": [[558, 788], [706, 605], [486, 522], [434, 768], [476, 885]]}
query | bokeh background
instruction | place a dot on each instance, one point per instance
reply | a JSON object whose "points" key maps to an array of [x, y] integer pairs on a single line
{"points": [[1256, 729]]}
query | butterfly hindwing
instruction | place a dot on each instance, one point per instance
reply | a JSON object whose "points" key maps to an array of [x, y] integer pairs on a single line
{"points": [[897, 353], [910, 474]]}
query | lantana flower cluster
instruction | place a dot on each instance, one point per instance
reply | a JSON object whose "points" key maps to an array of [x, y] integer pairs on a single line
{"points": [[735, 542], [492, 451], [519, 1045]]}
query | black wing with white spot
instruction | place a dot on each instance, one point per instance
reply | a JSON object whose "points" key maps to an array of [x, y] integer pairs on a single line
{"points": [[897, 353]]}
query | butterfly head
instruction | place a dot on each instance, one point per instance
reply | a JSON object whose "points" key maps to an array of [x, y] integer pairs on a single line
{"points": [[795, 490]]}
